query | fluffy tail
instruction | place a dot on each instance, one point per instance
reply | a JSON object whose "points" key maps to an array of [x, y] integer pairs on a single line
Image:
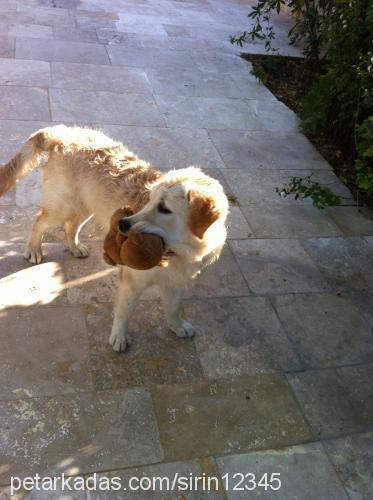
{"points": [[25, 160]]}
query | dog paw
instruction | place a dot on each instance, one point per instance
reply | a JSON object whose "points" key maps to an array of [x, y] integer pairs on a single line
{"points": [[184, 329], [119, 341], [33, 255], [80, 251]]}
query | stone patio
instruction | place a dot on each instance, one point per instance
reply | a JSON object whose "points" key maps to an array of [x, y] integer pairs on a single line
{"points": [[279, 377]]}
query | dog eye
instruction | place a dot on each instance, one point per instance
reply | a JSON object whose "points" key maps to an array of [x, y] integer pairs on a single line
{"points": [[163, 209]]}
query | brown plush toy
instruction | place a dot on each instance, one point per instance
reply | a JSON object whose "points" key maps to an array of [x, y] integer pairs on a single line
{"points": [[138, 250]]}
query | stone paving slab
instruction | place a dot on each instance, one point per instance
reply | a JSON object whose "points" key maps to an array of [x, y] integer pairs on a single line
{"points": [[277, 266], [252, 186], [30, 73], [249, 149], [91, 280], [71, 106], [156, 355], [87, 20], [44, 351], [326, 330], [134, 40], [347, 263], [150, 58], [44, 15], [28, 103], [30, 31], [75, 76], [72, 34], [76, 434], [213, 58], [364, 301], [305, 473], [205, 112], [336, 401], [239, 336], [353, 457], [237, 226], [168, 148], [353, 221], [196, 84], [24, 285], [275, 220], [61, 50], [221, 279], [7, 45], [227, 416]]}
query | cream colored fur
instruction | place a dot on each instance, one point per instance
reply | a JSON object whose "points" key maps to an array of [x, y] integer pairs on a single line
{"points": [[85, 172]]}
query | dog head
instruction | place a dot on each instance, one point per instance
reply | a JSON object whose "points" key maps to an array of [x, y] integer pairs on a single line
{"points": [[186, 207]]}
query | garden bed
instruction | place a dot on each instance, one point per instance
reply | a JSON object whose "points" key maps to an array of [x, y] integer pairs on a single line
{"points": [[290, 79]]}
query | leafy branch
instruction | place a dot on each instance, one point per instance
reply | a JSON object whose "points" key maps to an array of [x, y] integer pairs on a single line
{"points": [[305, 187]]}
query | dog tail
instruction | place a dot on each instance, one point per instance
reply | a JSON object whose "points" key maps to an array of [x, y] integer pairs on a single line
{"points": [[27, 158]]}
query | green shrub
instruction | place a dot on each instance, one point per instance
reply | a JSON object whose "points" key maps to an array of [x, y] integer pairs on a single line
{"points": [[340, 103]]}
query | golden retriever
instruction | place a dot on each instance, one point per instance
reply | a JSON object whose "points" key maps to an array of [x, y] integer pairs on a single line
{"points": [[85, 172]]}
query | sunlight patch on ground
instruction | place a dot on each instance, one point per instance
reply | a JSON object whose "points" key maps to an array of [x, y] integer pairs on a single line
{"points": [[35, 285]]}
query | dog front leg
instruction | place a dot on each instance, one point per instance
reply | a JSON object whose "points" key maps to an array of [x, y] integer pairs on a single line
{"points": [[128, 292], [172, 298]]}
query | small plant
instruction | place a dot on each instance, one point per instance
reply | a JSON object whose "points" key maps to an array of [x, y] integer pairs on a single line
{"points": [[305, 187]]}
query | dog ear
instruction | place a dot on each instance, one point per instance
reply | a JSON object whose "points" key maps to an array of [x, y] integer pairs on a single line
{"points": [[202, 213]]}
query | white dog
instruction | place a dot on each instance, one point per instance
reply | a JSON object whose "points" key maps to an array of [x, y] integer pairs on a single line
{"points": [[85, 173]]}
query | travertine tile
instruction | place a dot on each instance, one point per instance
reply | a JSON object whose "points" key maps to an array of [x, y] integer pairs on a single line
{"points": [[24, 103], [7, 46], [156, 354], [168, 148], [44, 352], [71, 106], [352, 221], [352, 457], [192, 83], [320, 327], [347, 263], [336, 401], [150, 58], [278, 220], [221, 279], [299, 472], [61, 50], [227, 416], [277, 266], [23, 284], [73, 76], [80, 433], [237, 225], [91, 280], [238, 336], [364, 301], [30, 73], [259, 185], [250, 149], [204, 112]]}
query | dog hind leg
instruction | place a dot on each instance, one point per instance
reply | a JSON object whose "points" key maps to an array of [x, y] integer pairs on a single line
{"points": [[44, 220], [73, 225]]}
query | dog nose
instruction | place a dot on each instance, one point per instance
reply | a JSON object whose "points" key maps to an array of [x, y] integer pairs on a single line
{"points": [[124, 225]]}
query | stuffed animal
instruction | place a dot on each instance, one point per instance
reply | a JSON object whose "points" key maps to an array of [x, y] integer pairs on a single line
{"points": [[138, 250]]}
